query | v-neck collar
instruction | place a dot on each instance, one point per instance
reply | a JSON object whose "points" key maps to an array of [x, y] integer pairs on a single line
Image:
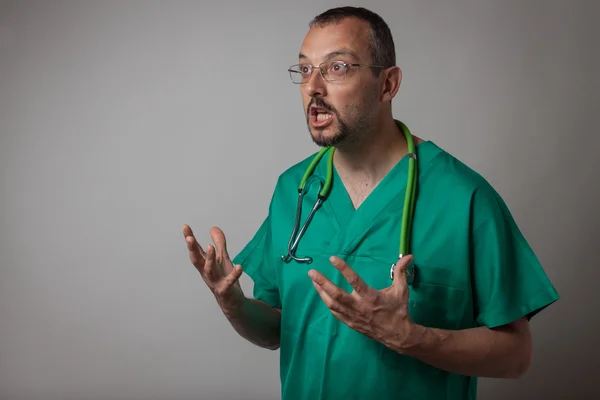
{"points": [[390, 189], [339, 198]]}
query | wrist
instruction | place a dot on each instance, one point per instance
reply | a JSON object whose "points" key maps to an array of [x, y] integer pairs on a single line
{"points": [[406, 341], [425, 341], [414, 340], [233, 305]]}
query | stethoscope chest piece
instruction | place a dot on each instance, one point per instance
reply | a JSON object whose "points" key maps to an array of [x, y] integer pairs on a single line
{"points": [[410, 272], [325, 187]]}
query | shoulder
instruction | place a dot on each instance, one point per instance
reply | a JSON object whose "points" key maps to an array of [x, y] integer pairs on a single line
{"points": [[466, 188], [454, 176], [451, 185]]}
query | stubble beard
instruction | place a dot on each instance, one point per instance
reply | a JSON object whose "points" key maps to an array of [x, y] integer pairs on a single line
{"points": [[345, 133]]}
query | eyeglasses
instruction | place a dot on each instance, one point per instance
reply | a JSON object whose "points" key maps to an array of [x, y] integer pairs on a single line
{"points": [[331, 71]]}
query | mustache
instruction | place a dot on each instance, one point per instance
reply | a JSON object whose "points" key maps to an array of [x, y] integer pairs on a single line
{"points": [[319, 102]]}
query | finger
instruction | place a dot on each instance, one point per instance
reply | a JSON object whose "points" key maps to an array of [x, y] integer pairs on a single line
{"points": [[339, 309], [218, 238], [187, 230], [234, 276], [343, 318], [210, 269], [187, 233], [357, 283], [197, 255], [400, 272], [403, 264], [334, 292]]}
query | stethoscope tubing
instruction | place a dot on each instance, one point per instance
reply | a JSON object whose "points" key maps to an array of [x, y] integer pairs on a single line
{"points": [[324, 189]]}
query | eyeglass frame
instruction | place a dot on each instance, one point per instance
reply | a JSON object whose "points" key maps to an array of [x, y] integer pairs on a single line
{"points": [[312, 68]]}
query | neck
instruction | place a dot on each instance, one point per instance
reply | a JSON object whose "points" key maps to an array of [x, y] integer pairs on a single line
{"points": [[371, 157]]}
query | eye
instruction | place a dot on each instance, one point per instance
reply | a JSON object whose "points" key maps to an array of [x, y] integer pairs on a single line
{"points": [[337, 70], [337, 66], [304, 69]]}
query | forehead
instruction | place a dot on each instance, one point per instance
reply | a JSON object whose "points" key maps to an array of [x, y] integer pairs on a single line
{"points": [[349, 35]]}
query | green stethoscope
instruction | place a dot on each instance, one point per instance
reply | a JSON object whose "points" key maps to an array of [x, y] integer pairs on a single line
{"points": [[407, 214]]}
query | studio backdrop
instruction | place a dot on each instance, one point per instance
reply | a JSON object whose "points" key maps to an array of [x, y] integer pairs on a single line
{"points": [[120, 121]]}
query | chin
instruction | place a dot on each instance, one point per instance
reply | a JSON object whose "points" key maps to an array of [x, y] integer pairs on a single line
{"points": [[330, 135], [324, 139]]}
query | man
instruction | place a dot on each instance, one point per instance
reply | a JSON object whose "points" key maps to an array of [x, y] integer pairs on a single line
{"points": [[456, 308]]}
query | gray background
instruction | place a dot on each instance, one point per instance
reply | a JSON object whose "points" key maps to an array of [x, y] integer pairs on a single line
{"points": [[121, 121]]}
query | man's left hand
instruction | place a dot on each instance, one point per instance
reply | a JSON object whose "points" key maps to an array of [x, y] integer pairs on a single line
{"points": [[381, 315]]}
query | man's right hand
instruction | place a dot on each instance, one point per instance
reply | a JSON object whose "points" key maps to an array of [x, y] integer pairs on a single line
{"points": [[217, 270]]}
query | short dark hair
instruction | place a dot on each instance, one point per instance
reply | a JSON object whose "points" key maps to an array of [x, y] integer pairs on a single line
{"points": [[381, 42]]}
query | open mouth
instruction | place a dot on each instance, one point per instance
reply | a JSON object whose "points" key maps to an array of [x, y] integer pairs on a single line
{"points": [[320, 117]]}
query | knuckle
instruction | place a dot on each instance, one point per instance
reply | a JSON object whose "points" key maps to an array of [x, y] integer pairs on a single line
{"points": [[337, 308], [329, 303], [353, 280], [228, 282], [337, 293], [221, 290]]}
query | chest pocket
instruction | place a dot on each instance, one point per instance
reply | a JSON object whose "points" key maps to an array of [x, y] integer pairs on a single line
{"points": [[436, 300], [436, 306]]}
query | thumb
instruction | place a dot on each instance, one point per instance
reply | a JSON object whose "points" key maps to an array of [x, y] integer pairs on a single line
{"points": [[233, 278], [400, 270], [234, 275]]}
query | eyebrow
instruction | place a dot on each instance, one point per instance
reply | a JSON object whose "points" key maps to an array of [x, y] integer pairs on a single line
{"points": [[329, 56]]}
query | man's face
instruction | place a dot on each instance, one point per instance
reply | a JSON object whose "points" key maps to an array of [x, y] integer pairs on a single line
{"points": [[341, 111]]}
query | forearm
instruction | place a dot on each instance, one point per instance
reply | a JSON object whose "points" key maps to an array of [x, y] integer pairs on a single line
{"points": [[257, 322], [500, 353]]}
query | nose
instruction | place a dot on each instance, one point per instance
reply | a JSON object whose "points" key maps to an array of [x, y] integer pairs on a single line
{"points": [[316, 84]]}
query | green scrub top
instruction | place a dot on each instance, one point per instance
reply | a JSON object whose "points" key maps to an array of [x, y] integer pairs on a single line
{"points": [[473, 267]]}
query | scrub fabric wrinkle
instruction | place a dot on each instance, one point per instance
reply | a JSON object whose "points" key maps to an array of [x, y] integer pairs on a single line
{"points": [[473, 267]]}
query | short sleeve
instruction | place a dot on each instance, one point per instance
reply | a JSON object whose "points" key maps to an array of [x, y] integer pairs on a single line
{"points": [[256, 261], [507, 277]]}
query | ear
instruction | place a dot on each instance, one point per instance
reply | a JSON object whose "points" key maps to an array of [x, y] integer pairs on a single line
{"points": [[392, 77]]}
